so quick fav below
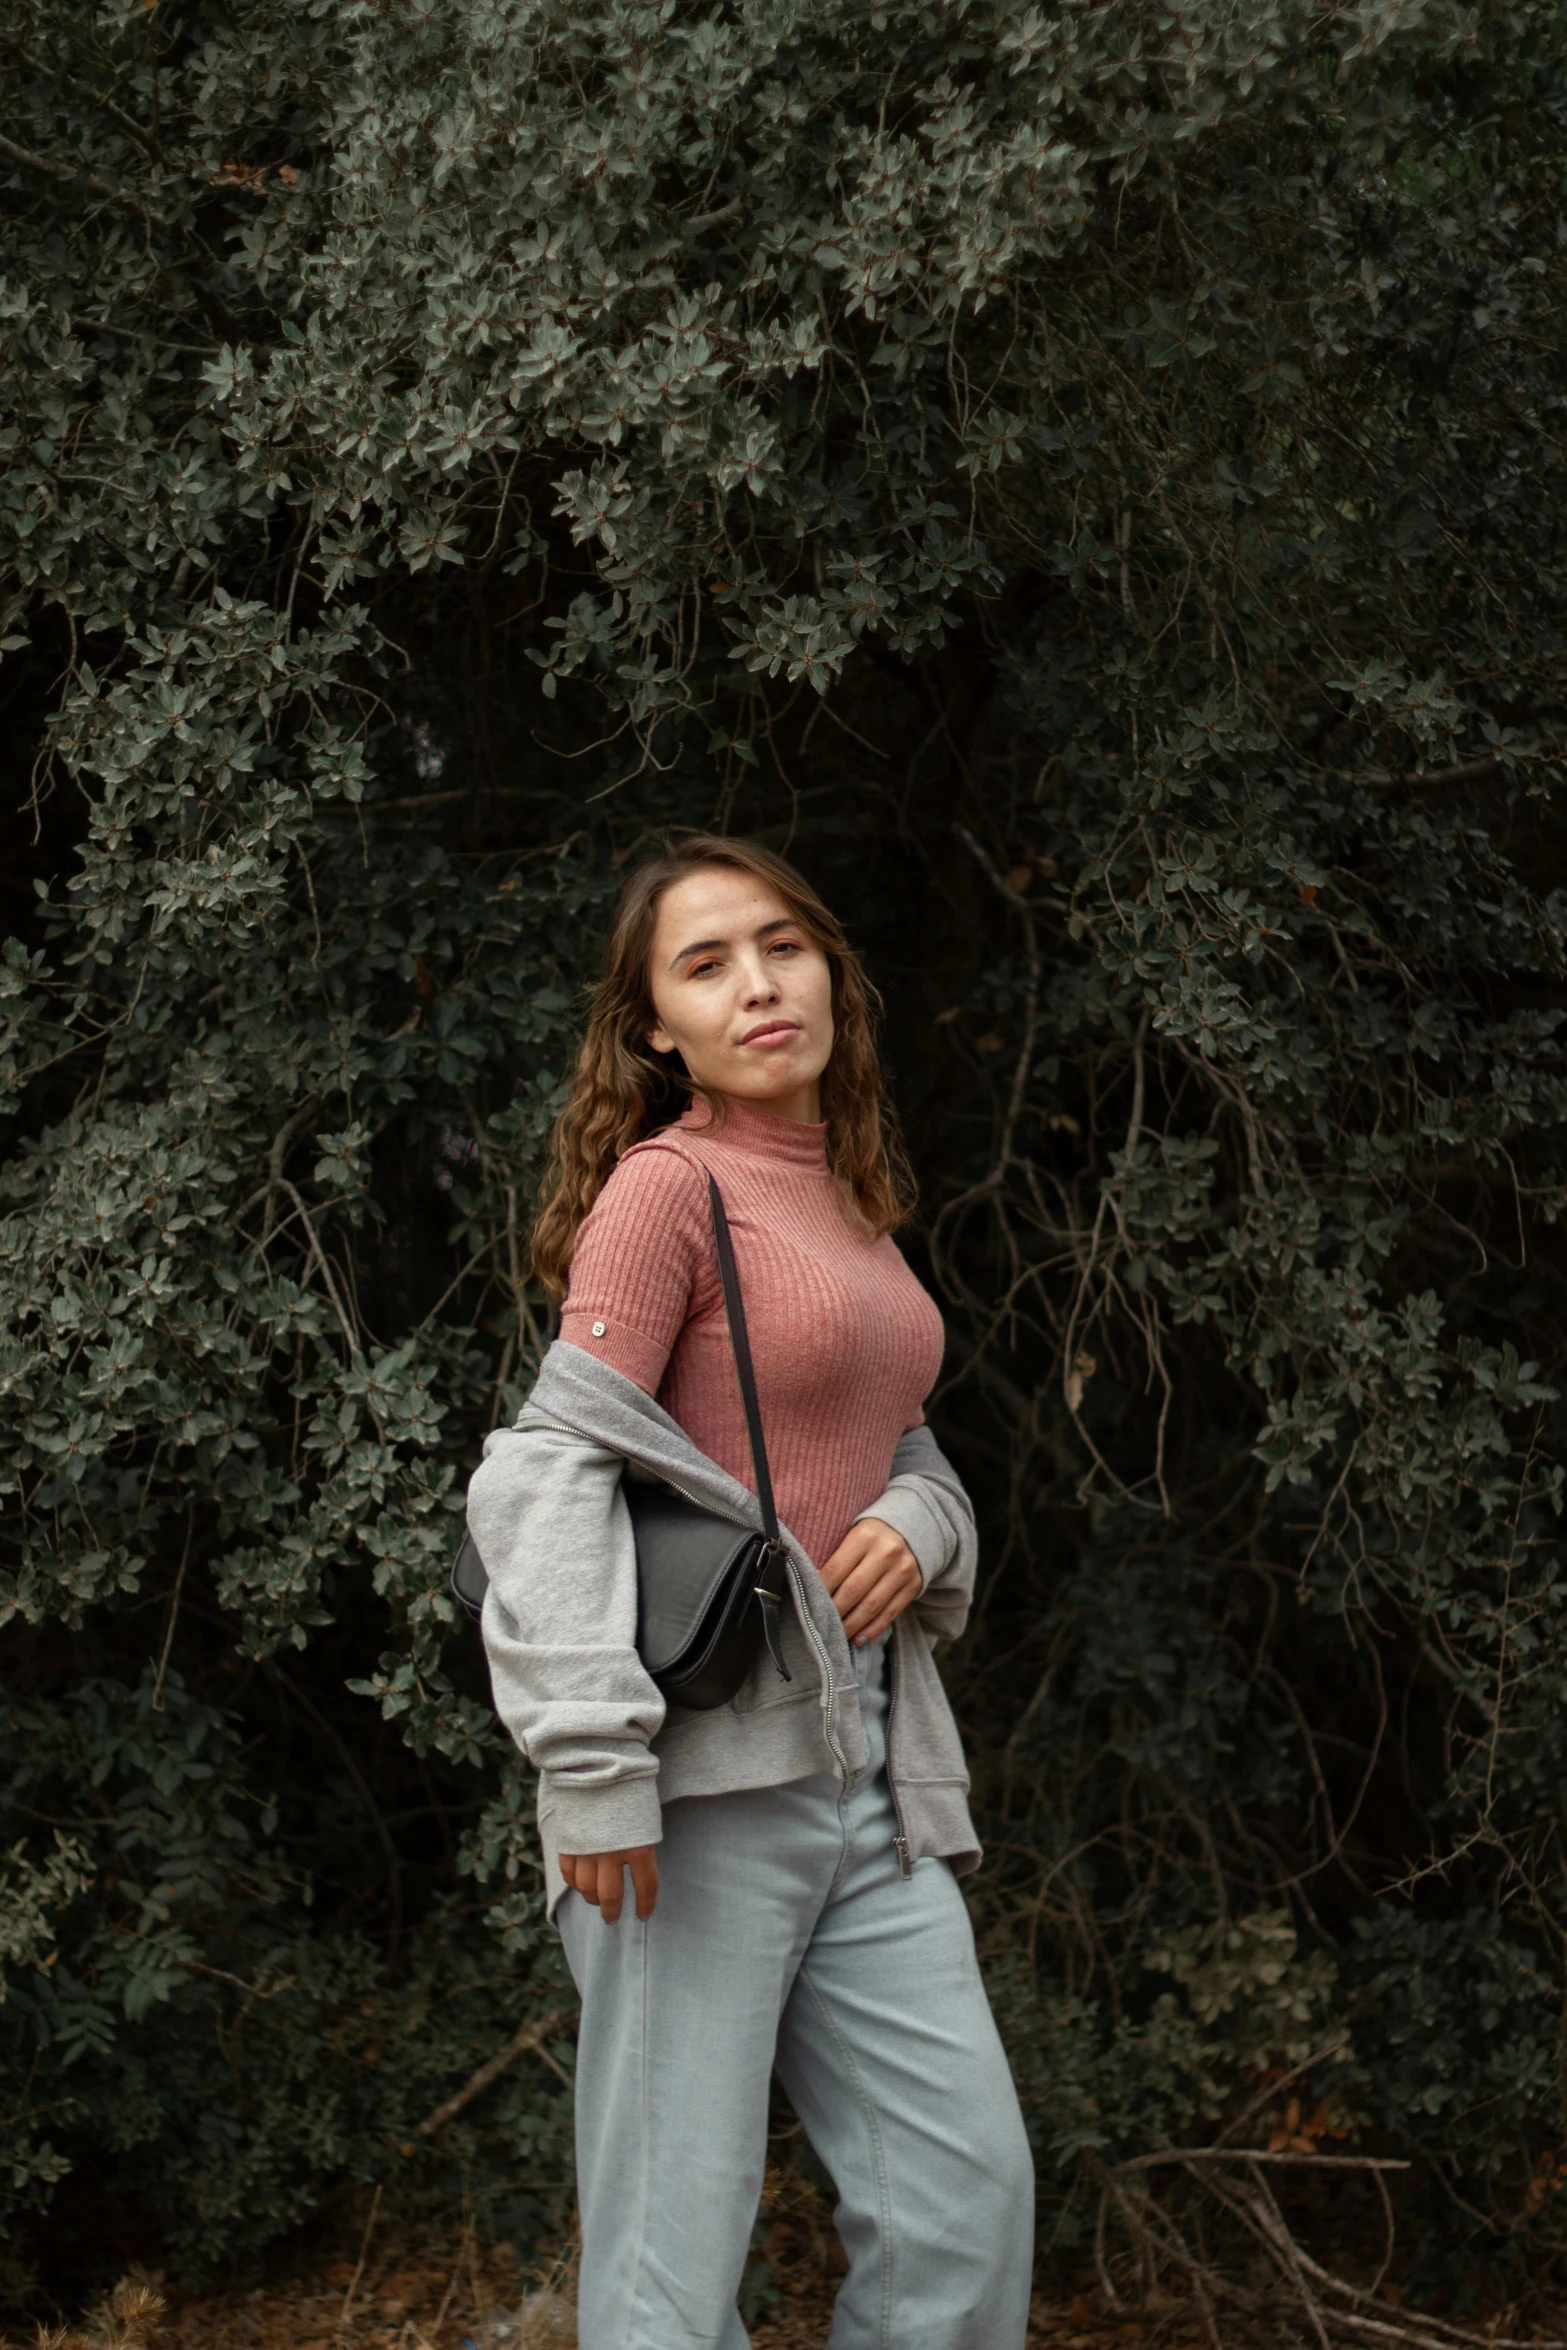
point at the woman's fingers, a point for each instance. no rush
(852, 1593)
(612, 1886)
(883, 1603)
(644, 1879)
(600, 1877)
(851, 1552)
(872, 1576)
(861, 1558)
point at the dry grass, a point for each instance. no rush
(390, 2289)
(433, 2294)
(445, 2292)
(445, 2296)
(427, 2293)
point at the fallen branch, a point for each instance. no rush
(1334, 2309)
(1426, 2329)
(527, 2040)
(1189, 2154)
(1416, 2335)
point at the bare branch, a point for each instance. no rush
(527, 2040)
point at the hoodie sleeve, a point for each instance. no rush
(546, 1510)
(926, 1503)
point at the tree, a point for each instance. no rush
(1086, 482)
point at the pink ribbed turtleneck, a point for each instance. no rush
(846, 1342)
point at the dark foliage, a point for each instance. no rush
(1089, 484)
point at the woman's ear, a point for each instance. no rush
(659, 1038)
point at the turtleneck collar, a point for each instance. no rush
(760, 1134)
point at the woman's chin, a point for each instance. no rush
(768, 1088)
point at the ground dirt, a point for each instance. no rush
(399, 2286)
(449, 2292)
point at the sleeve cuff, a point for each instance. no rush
(901, 1508)
(637, 1358)
(615, 1818)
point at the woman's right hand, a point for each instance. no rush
(600, 1878)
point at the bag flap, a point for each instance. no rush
(469, 1580)
(685, 1557)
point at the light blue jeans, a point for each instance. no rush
(785, 1934)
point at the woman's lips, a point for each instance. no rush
(772, 1032)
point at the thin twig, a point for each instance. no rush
(446, 2301)
(1020, 1076)
(527, 2040)
(174, 1608)
(353, 2282)
(319, 1253)
(292, 1125)
(1189, 2154)
(70, 171)
(1100, 2262)
(394, 1866)
(1270, 2091)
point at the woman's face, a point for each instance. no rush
(742, 992)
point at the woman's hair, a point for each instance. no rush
(624, 1090)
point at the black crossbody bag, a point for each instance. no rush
(709, 1591)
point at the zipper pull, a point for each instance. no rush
(900, 1845)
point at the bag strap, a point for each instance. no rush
(771, 1585)
(739, 1339)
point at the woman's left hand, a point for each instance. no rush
(872, 1576)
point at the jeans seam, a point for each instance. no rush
(846, 1839)
(634, 2296)
(868, 2107)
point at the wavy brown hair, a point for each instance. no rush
(624, 1090)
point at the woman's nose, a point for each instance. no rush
(761, 982)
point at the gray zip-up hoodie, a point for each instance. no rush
(546, 1510)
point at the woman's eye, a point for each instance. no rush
(786, 946)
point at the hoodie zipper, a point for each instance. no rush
(823, 1674)
(900, 1842)
(823, 1662)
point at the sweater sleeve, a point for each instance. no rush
(641, 1254)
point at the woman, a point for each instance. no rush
(792, 1854)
